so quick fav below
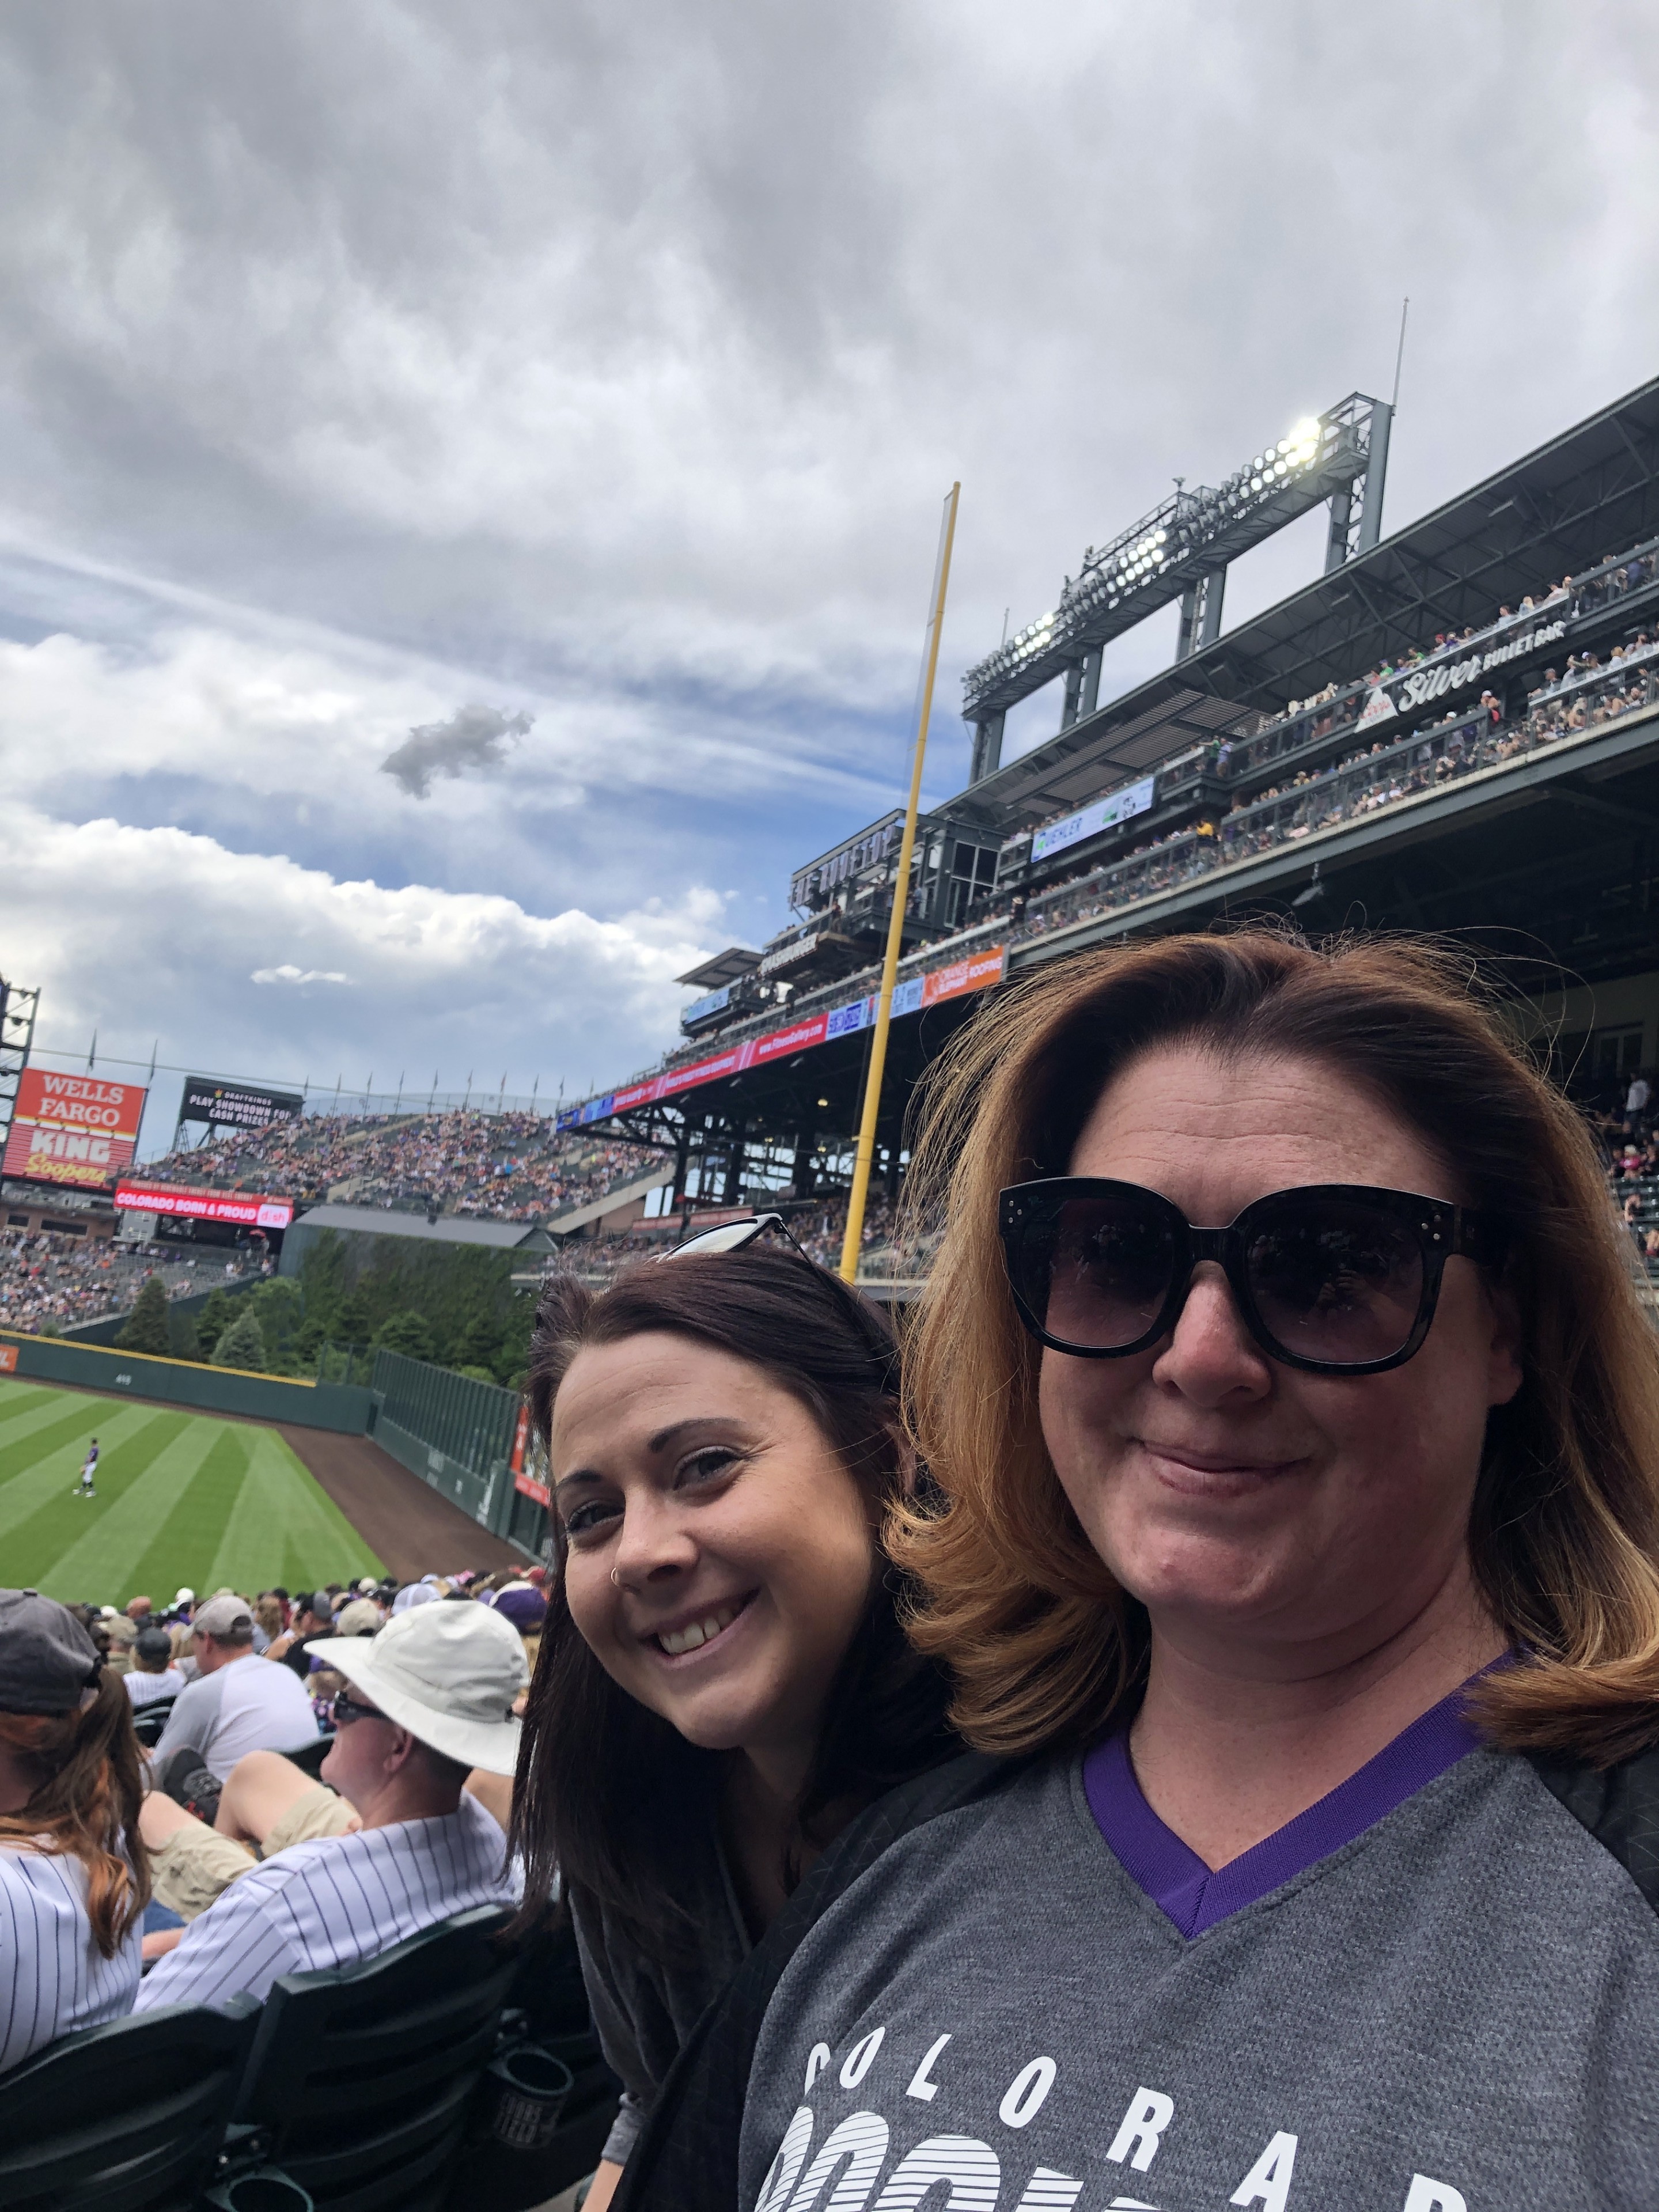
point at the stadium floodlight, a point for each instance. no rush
(1187, 540)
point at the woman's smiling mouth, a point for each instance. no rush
(701, 1630)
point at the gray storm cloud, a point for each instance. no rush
(474, 737)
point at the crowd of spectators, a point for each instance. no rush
(499, 1167)
(1586, 691)
(295, 1628)
(50, 1280)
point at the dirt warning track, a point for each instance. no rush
(408, 1525)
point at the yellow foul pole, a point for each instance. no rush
(849, 1250)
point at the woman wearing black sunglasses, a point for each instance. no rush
(1299, 1426)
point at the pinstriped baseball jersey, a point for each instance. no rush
(335, 1901)
(52, 1976)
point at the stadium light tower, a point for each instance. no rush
(1181, 551)
(18, 1008)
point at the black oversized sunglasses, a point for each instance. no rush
(1337, 1279)
(344, 1708)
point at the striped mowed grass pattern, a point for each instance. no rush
(182, 1498)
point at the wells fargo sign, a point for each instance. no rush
(74, 1129)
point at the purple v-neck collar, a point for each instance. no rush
(1194, 1897)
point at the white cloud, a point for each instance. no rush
(609, 366)
(128, 930)
(288, 973)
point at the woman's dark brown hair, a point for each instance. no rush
(607, 1791)
(85, 1801)
(1565, 1531)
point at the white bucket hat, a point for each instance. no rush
(447, 1673)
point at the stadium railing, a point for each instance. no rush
(1425, 760)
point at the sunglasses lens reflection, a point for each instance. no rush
(1108, 1271)
(1336, 1280)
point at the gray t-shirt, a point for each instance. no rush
(644, 2007)
(249, 1704)
(1456, 2010)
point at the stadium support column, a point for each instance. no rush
(801, 1178)
(1200, 612)
(1091, 698)
(732, 1194)
(1375, 476)
(1082, 687)
(1357, 509)
(987, 748)
(1069, 712)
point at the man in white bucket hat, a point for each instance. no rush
(426, 1699)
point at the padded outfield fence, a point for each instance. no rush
(347, 1409)
(456, 1433)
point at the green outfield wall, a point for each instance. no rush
(347, 1408)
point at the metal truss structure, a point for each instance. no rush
(1558, 512)
(19, 1006)
(1181, 551)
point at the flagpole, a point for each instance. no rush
(866, 1146)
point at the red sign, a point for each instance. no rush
(246, 1208)
(74, 1129)
(976, 974)
(523, 1446)
(8, 1360)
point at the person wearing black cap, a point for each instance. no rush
(74, 1878)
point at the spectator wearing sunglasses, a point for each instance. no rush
(723, 1680)
(1297, 1424)
(428, 1698)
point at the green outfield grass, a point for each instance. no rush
(182, 1498)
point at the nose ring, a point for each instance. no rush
(615, 1578)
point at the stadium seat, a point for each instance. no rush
(361, 2078)
(548, 2009)
(149, 1719)
(127, 2118)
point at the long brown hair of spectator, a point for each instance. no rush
(1565, 1531)
(607, 1793)
(85, 1804)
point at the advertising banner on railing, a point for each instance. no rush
(246, 1208)
(1438, 678)
(978, 972)
(73, 1129)
(1102, 814)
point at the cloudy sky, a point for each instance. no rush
(468, 477)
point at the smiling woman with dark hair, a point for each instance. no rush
(723, 1682)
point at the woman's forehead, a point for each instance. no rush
(1214, 1130)
(643, 1382)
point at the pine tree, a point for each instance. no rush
(242, 1344)
(407, 1332)
(216, 1314)
(146, 1329)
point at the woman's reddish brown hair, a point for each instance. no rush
(1045, 1647)
(85, 1803)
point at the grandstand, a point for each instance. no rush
(54, 1282)
(1455, 728)
(496, 1167)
